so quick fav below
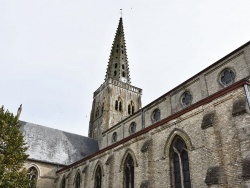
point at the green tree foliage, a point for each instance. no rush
(12, 153)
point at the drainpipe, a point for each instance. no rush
(142, 118)
(247, 94)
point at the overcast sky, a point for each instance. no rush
(54, 53)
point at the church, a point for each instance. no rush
(196, 135)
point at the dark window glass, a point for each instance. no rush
(186, 98)
(102, 108)
(63, 184)
(116, 105)
(98, 177)
(123, 74)
(180, 157)
(227, 77)
(114, 73)
(123, 67)
(132, 127)
(117, 50)
(156, 115)
(120, 106)
(129, 172)
(115, 65)
(133, 109)
(78, 181)
(114, 137)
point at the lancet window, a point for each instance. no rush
(102, 107)
(118, 105)
(63, 183)
(179, 164)
(33, 175)
(78, 180)
(98, 177)
(129, 172)
(131, 108)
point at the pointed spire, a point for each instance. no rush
(118, 62)
(19, 111)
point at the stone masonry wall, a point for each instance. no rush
(200, 86)
(218, 142)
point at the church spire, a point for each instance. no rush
(118, 63)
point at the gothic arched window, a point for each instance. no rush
(98, 177)
(129, 172)
(102, 107)
(78, 180)
(120, 106)
(116, 105)
(63, 184)
(179, 164)
(131, 108)
(33, 175)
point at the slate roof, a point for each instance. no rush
(56, 146)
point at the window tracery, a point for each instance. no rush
(118, 105)
(132, 128)
(179, 164)
(131, 108)
(186, 98)
(33, 175)
(98, 177)
(227, 77)
(129, 172)
(78, 181)
(156, 115)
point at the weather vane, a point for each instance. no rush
(121, 12)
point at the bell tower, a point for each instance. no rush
(116, 98)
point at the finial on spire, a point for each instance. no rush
(121, 12)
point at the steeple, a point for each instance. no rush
(116, 98)
(118, 62)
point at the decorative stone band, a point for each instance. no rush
(119, 84)
(164, 121)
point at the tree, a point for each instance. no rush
(12, 153)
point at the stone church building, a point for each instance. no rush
(196, 135)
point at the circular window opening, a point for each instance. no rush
(156, 115)
(227, 77)
(132, 128)
(186, 98)
(114, 137)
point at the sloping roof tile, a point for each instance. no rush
(56, 146)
